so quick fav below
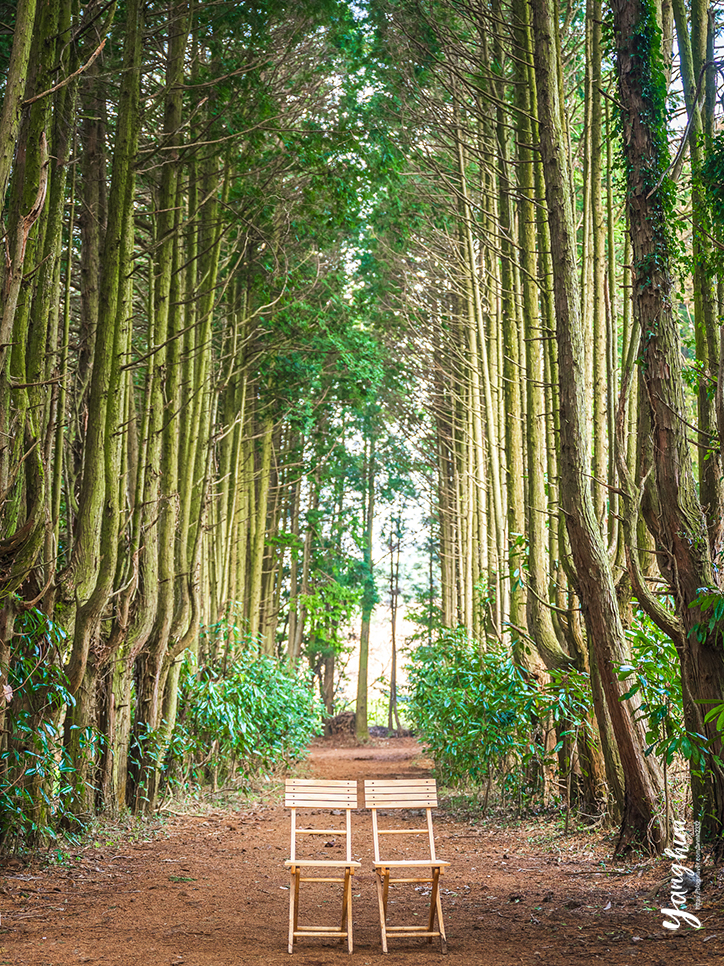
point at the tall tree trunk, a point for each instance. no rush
(640, 821)
(15, 91)
(538, 614)
(162, 454)
(369, 595)
(260, 527)
(679, 523)
(514, 462)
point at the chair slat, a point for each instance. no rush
(294, 801)
(400, 782)
(313, 793)
(320, 783)
(396, 801)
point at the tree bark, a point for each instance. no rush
(640, 822)
(679, 524)
(369, 596)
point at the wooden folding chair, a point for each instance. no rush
(417, 794)
(310, 793)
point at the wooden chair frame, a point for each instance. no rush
(398, 794)
(311, 793)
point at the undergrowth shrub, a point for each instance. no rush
(36, 790)
(470, 706)
(653, 678)
(256, 715)
(486, 721)
(653, 675)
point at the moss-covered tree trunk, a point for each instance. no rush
(162, 497)
(93, 566)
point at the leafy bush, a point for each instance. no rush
(654, 676)
(471, 706)
(483, 718)
(35, 790)
(256, 715)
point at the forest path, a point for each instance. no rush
(210, 890)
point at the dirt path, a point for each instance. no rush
(210, 890)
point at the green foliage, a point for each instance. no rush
(712, 176)
(329, 608)
(36, 786)
(227, 635)
(480, 714)
(710, 602)
(257, 715)
(716, 714)
(568, 703)
(468, 706)
(654, 676)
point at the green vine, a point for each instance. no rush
(712, 177)
(647, 44)
(652, 176)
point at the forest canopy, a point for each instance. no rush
(290, 290)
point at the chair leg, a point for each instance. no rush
(433, 902)
(348, 893)
(382, 903)
(440, 921)
(293, 906)
(344, 904)
(297, 880)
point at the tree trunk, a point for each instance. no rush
(640, 822)
(679, 524)
(369, 596)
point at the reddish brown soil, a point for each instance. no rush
(211, 889)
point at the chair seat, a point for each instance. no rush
(397, 863)
(325, 863)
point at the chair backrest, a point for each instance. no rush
(414, 793)
(318, 793)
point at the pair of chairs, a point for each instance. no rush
(341, 796)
